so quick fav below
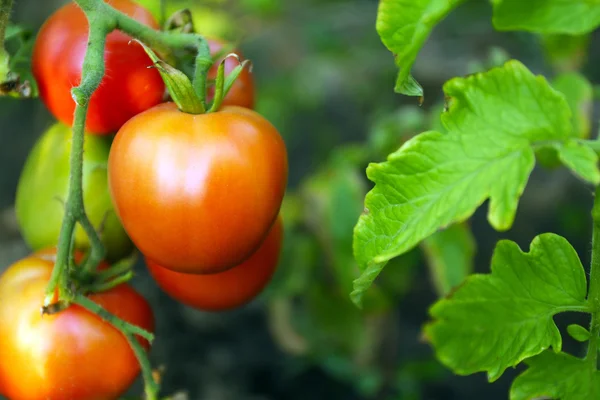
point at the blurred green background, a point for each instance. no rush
(326, 82)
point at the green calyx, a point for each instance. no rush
(189, 96)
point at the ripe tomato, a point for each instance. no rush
(70, 355)
(128, 87)
(44, 185)
(242, 91)
(197, 193)
(228, 289)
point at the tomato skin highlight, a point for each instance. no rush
(197, 193)
(44, 185)
(224, 290)
(128, 86)
(242, 93)
(70, 355)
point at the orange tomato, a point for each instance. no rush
(128, 86)
(73, 354)
(228, 289)
(197, 193)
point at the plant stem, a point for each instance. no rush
(98, 251)
(92, 73)
(594, 290)
(128, 330)
(151, 388)
(114, 282)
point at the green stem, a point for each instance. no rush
(128, 330)
(98, 251)
(123, 326)
(594, 290)
(103, 286)
(151, 388)
(163, 42)
(119, 268)
(92, 73)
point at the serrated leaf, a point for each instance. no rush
(581, 159)
(438, 179)
(449, 254)
(578, 333)
(574, 17)
(557, 376)
(579, 94)
(495, 321)
(404, 26)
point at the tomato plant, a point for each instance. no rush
(44, 185)
(228, 289)
(197, 193)
(128, 87)
(70, 355)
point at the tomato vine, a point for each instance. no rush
(60, 292)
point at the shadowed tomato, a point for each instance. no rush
(242, 91)
(44, 186)
(70, 355)
(128, 87)
(197, 193)
(228, 289)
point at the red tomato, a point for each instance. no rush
(70, 355)
(228, 289)
(197, 193)
(128, 87)
(242, 91)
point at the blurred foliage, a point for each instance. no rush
(326, 81)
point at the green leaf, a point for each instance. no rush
(581, 159)
(438, 179)
(449, 254)
(495, 321)
(579, 94)
(557, 376)
(404, 26)
(574, 17)
(578, 333)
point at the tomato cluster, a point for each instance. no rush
(197, 194)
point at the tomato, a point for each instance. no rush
(70, 355)
(197, 193)
(242, 91)
(228, 289)
(44, 185)
(128, 87)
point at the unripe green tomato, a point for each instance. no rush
(43, 189)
